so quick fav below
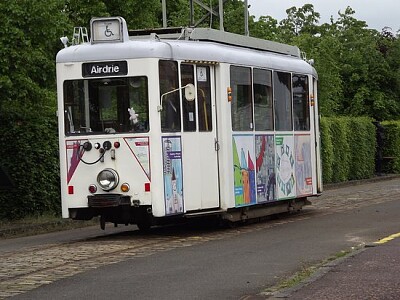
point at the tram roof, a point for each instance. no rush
(200, 44)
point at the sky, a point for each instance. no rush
(376, 13)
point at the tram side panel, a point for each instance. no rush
(274, 166)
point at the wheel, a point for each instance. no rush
(144, 225)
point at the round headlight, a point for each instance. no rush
(108, 179)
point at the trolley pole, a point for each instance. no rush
(246, 18)
(191, 21)
(221, 15)
(164, 13)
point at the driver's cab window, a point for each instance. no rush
(109, 105)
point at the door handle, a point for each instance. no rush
(216, 144)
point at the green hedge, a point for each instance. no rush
(327, 156)
(348, 148)
(29, 154)
(362, 143)
(391, 147)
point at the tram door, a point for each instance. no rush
(199, 153)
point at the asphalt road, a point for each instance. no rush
(196, 263)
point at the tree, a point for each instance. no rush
(138, 14)
(363, 69)
(265, 28)
(303, 20)
(80, 12)
(29, 40)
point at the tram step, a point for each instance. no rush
(204, 213)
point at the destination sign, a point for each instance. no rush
(101, 69)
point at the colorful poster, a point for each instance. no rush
(303, 165)
(173, 179)
(141, 150)
(244, 170)
(265, 168)
(285, 166)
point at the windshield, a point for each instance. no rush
(107, 105)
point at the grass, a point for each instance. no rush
(39, 224)
(306, 272)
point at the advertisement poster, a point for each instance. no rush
(303, 165)
(285, 166)
(244, 170)
(265, 168)
(173, 179)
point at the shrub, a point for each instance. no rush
(326, 150)
(341, 150)
(362, 144)
(391, 147)
(348, 147)
(29, 153)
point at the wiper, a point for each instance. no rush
(70, 120)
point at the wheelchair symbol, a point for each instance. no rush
(108, 32)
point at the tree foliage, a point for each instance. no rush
(358, 67)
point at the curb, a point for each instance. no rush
(321, 270)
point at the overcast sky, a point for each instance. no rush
(377, 13)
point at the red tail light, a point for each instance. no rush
(70, 189)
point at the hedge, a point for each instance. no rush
(391, 147)
(348, 147)
(29, 154)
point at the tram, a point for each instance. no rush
(173, 123)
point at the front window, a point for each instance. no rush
(107, 105)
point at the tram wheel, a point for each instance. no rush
(144, 225)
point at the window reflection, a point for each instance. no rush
(171, 112)
(283, 101)
(241, 107)
(262, 86)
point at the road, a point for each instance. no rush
(193, 262)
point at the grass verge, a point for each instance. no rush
(38, 225)
(306, 272)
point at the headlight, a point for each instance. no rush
(108, 179)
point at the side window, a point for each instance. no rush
(74, 106)
(263, 109)
(204, 98)
(241, 106)
(301, 109)
(171, 110)
(283, 101)
(188, 107)
(139, 104)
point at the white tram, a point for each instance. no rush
(161, 124)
